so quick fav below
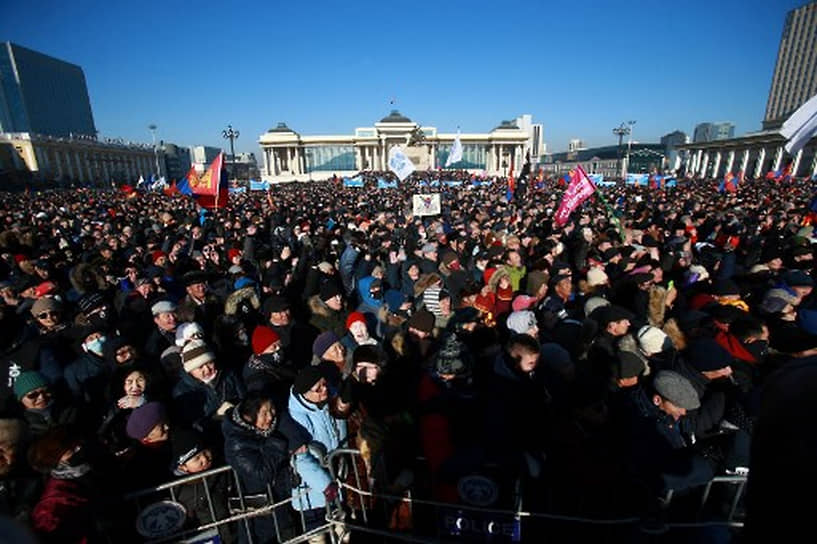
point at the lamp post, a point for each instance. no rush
(620, 131)
(152, 128)
(232, 135)
(629, 143)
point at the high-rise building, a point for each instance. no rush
(176, 160)
(42, 95)
(709, 132)
(795, 72)
(535, 145)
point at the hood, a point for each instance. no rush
(319, 307)
(365, 296)
(235, 299)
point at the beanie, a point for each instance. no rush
(143, 419)
(184, 445)
(306, 379)
(27, 382)
(233, 253)
(521, 322)
(156, 255)
(422, 320)
(329, 290)
(45, 304)
(354, 317)
(705, 355)
(187, 332)
(262, 338)
(195, 354)
(536, 279)
(367, 353)
(596, 276)
(651, 339)
(90, 302)
(323, 342)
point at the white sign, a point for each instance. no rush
(399, 163)
(426, 205)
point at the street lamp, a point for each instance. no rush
(232, 135)
(152, 128)
(629, 142)
(620, 131)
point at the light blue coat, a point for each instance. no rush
(323, 428)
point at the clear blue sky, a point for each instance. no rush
(580, 68)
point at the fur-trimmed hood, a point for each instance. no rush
(236, 298)
(319, 307)
(85, 278)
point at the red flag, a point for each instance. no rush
(579, 190)
(729, 183)
(210, 181)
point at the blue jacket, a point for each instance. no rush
(326, 430)
(368, 304)
(347, 267)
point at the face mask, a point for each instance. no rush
(271, 358)
(95, 346)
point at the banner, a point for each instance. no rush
(638, 179)
(455, 155)
(353, 182)
(579, 190)
(386, 184)
(597, 179)
(426, 205)
(259, 185)
(452, 183)
(399, 163)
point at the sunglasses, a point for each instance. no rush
(46, 315)
(34, 395)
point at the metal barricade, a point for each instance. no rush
(241, 509)
(342, 463)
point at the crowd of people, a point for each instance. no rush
(144, 339)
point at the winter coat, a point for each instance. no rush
(39, 422)
(64, 513)
(87, 378)
(262, 374)
(325, 318)
(19, 492)
(348, 260)
(368, 304)
(196, 401)
(324, 429)
(204, 314)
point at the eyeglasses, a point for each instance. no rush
(34, 395)
(46, 315)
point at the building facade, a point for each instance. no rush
(42, 95)
(671, 142)
(610, 160)
(202, 155)
(289, 156)
(176, 161)
(82, 160)
(535, 146)
(243, 166)
(709, 132)
(795, 71)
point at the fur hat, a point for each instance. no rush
(46, 304)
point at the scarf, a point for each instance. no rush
(238, 420)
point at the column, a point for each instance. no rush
(814, 164)
(730, 161)
(358, 158)
(432, 159)
(796, 164)
(744, 162)
(384, 153)
(688, 163)
(761, 157)
(716, 164)
(778, 158)
(704, 164)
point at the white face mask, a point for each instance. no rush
(95, 346)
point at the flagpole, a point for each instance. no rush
(607, 206)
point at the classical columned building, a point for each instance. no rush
(754, 154)
(289, 156)
(80, 159)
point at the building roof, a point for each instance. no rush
(507, 125)
(604, 153)
(395, 117)
(282, 127)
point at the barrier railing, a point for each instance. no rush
(345, 460)
(240, 508)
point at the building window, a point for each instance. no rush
(330, 158)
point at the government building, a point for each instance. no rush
(290, 156)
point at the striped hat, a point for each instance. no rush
(195, 354)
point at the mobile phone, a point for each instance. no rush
(671, 285)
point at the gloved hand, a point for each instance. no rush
(331, 492)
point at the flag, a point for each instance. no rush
(771, 174)
(511, 184)
(579, 190)
(785, 175)
(455, 155)
(399, 163)
(141, 181)
(729, 183)
(210, 181)
(801, 126)
(183, 185)
(386, 184)
(428, 204)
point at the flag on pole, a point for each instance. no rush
(209, 182)
(455, 155)
(399, 163)
(579, 190)
(511, 184)
(801, 126)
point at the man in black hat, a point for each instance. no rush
(327, 310)
(199, 305)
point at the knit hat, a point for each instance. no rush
(187, 332)
(162, 307)
(275, 303)
(706, 354)
(142, 420)
(184, 445)
(323, 342)
(593, 304)
(596, 276)
(676, 389)
(651, 339)
(306, 379)
(156, 255)
(354, 317)
(422, 320)
(328, 290)
(27, 382)
(90, 302)
(233, 253)
(195, 354)
(262, 338)
(448, 257)
(521, 322)
(522, 302)
(628, 365)
(45, 304)
(452, 358)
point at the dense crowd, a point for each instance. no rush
(144, 339)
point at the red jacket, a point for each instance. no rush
(63, 513)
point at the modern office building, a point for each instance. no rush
(176, 161)
(42, 95)
(289, 156)
(535, 144)
(671, 141)
(709, 132)
(643, 158)
(795, 72)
